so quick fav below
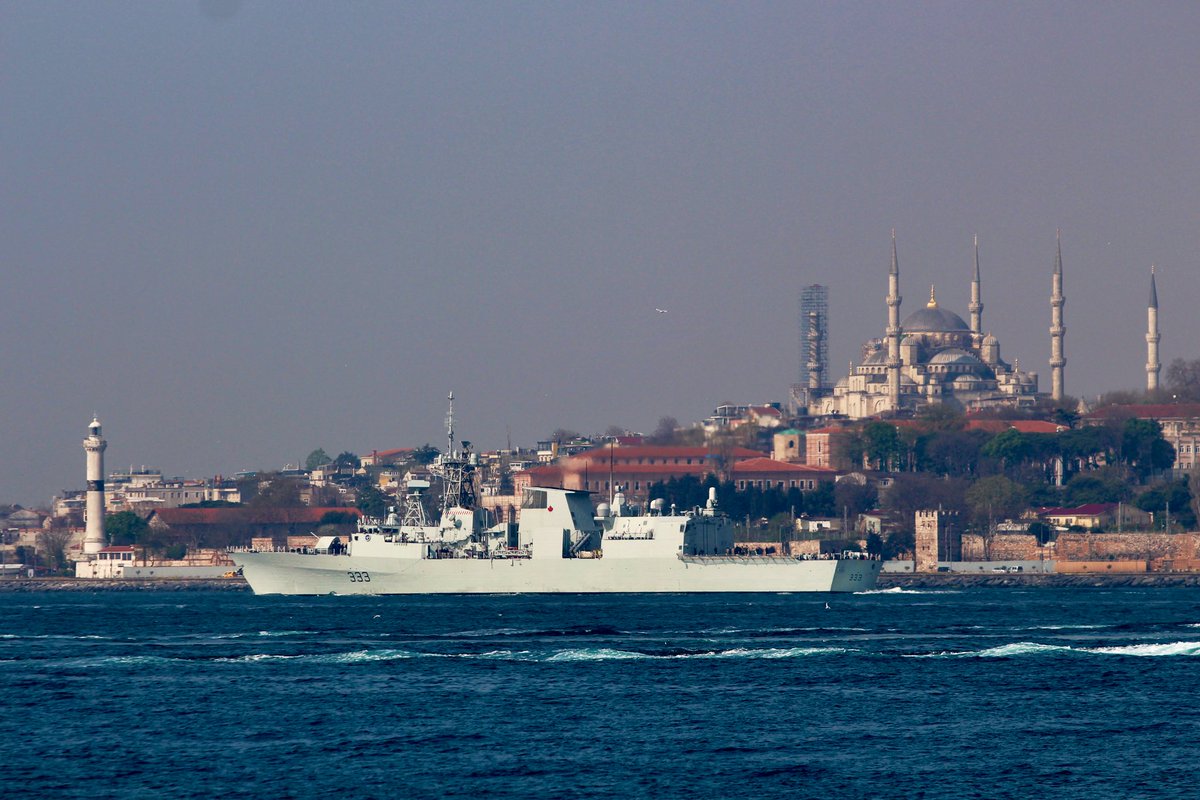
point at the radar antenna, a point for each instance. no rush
(456, 470)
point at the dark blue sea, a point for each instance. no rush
(1084, 693)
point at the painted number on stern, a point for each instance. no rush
(359, 577)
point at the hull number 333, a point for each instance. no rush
(359, 577)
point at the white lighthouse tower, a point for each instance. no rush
(94, 539)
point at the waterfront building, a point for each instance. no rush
(1180, 426)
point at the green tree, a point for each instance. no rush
(346, 459)
(664, 433)
(425, 454)
(561, 435)
(913, 491)
(1009, 447)
(995, 498)
(853, 498)
(317, 458)
(275, 491)
(1144, 448)
(1100, 486)
(992, 499)
(940, 417)
(1169, 496)
(1043, 532)
(125, 527)
(1083, 448)
(175, 551)
(373, 502)
(951, 452)
(53, 545)
(881, 445)
(1183, 379)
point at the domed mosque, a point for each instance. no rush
(933, 356)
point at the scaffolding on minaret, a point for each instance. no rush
(814, 338)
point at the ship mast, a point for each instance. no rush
(456, 469)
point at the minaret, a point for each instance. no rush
(893, 329)
(1057, 360)
(94, 444)
(1153, 366)
(976, 306)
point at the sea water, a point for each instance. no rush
(1085, 693)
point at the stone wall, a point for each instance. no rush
(1005, 547)
(1129, 546)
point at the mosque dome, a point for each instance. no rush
(878, 358)
(933, 319)
(952, 356)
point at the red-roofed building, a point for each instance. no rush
(633, 468)
(1022, 425)
(767, 473)
(1092, 516)
(1180, 425)
(392, 457)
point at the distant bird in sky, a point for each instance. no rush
(661, 310)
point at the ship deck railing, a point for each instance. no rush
(304, 551)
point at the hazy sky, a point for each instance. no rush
(241, 231)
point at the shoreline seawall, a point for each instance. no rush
(123, 585)
(1036, 580)
(886, 581)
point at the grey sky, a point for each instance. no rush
(238, 237)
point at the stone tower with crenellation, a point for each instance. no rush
(938, 538)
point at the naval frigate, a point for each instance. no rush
(559, 545)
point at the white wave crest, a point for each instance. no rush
(366, 656)
(1022, 649)
(902, 590)
(255, 657)
(1163, 649)
(108, 661)
(1036, 648)
(596, 654)
(776, 652)
(1065, 627)
(351, 657)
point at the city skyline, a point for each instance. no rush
(239, 232)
